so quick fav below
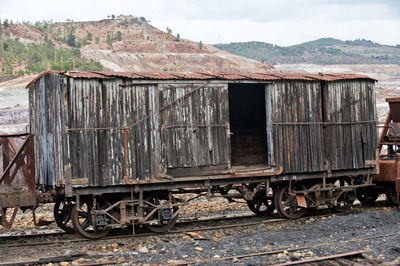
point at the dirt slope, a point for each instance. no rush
(131, 44)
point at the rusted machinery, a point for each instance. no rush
(17, 176)
(389, 153)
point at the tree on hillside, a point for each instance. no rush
(89, 36)
(37, 58)
(169, 31)
(6, 24)
(178, 38)
(8, 69)
(109, 39)
(119, 36)
(71, 39)
(200, 45)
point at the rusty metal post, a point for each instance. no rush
(30, 168)
(34, 216)
(141, 206)
(384, 131)
(8, 224)
(133, 213)
(30, 163)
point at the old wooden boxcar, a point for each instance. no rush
(115, 138)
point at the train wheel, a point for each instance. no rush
(344, 203)
(390, 192)
(286, 204)
(83, 222)
(164, 218)
(261, 205)
(62, 214)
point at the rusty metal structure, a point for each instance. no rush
(115, 149)
(17, 176)
(388, 179)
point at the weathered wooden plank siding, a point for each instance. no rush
(190, 135)
(46, 116)
(297, 147)
(57, 129)
(193, 132)
(350, 145)
(99, 154)
(35, 128)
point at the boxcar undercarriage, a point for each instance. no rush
(95, 211)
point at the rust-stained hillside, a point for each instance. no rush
(131, 44)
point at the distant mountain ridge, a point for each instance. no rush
(320, 51)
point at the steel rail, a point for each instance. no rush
(57, 259)
(273, 252)
(324, 258)
(181, 222)
(288, 250)
(210, 228)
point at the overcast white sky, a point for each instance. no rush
(282, 22)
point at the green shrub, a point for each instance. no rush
(40, 58)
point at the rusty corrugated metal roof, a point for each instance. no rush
(293, 76)
(338, 76)
(87, 75)
(41, 75)
(204, 76)
(190, 75)
(260, 76)
(120, 74)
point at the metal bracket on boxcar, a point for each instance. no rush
(164, 176)
(68, 182)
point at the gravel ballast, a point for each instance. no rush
(334, 234)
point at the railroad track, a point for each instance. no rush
(179, 223)
(70, 238)
(335, 259)
(347, 258)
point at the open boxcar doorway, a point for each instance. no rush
(247, 114)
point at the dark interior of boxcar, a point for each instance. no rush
(248, 124)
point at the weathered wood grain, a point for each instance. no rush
(191, 134)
